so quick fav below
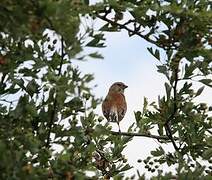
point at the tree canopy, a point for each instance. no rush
(47, 103)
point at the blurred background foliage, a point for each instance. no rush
(46, 103)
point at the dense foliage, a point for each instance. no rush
(48, 126)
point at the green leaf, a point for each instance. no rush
(207, 154)
(108, 28)
(168, 90)
(199, 91)
(28, 72)
(145, 104)
(160, 129)
(137, 116)
(96, 55)
(99, 129)
(118, 150)
(13, 90)
(207, 82)
(32, 88)
(130, 128)
(20, 83)
(75, 104)
(156, 54)
(93, 43)
(86, 2)
(126, 167)
(189, 69)
(163, 69)
(158, 152)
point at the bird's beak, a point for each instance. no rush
(125, 86)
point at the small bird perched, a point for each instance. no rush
(114, 106)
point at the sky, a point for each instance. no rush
(127, 59)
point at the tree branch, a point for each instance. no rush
(143, 135)
(169, 135)
(130, 31)
(167, 124)
(209, 131)
(54, 110)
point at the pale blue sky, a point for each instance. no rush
(128, 60)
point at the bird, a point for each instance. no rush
(114, 106)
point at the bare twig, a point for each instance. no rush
(10, 102)
(175, 109)
(169, 135)
(144, 135)
(130, 31)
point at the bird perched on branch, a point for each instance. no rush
(114, 106)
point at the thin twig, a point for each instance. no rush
(102, 154)
(167, 124)
(130, 31)
(10, 102)
(142, 134)
(169, 135)
(209, 131)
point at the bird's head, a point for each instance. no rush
(118, 87)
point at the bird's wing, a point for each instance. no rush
(109, 109)
(106, 108)
(121, 113)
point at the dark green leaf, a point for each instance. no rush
(158, 152)
(199, 91)
(32, 87)
(207, 82)
(156, 54)
(96, 55)
(126, 167)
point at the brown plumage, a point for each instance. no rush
(114, 106)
